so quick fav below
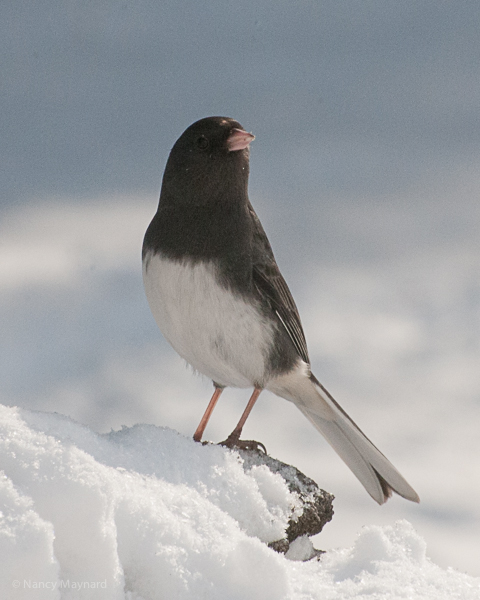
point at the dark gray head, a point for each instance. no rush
(209, 158)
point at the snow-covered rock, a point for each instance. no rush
(144, 513)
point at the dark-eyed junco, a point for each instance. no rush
(220, 300)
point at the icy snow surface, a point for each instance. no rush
(144, 513)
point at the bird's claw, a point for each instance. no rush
(231, 442)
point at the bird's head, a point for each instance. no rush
(210, 157)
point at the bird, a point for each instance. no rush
(217, 294)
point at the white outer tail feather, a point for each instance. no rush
(374, 471)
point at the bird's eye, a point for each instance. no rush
(202, 143)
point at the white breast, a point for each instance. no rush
(220, 335)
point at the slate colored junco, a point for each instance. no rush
(220, 300)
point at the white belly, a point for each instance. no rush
(222, 337)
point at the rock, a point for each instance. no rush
(317, 506)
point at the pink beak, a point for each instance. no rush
(239, 140)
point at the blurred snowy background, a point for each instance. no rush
(365, 173)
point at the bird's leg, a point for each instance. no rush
(197, 436)
(233, 439)
(237, 432)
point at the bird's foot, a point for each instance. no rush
(233, 441)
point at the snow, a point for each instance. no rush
(145, 513)
(301, 549)
(395, 337)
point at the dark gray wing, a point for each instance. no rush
(273, 288)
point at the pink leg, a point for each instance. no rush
(197, 436)
(233, 438)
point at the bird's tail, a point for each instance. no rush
(375, 472)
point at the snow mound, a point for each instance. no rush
(144, 513)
